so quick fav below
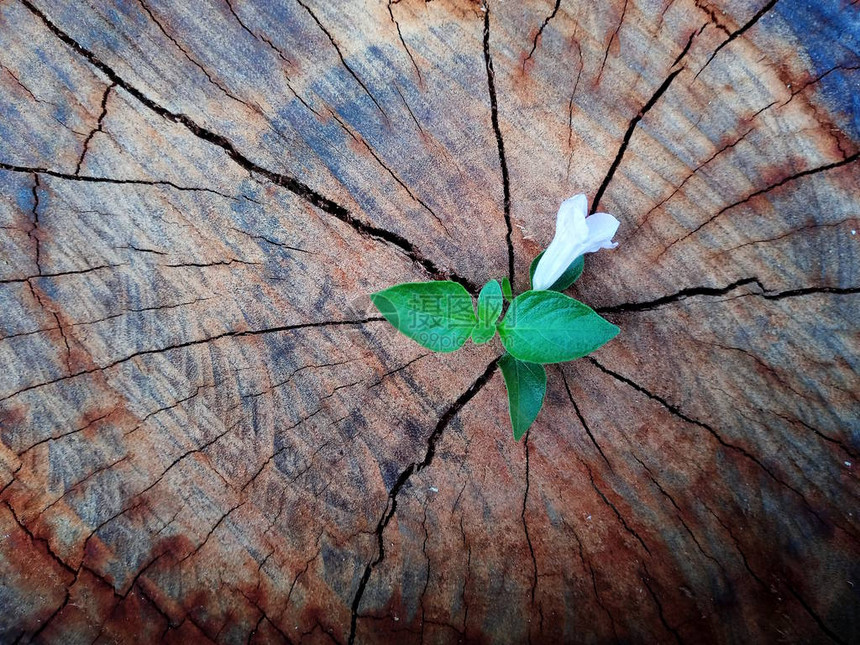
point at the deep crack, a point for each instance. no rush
(526, 524)
(500, 143)
(540, 31)
(291, 184)
(767, 7)
(403, 478)
(629, 133)
(762, 191)
(98, 128)
(763, 292)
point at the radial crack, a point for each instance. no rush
(403, 478)
(762, 191)
(360, 139)
(767, 7)
(107, 180)
(61, 273)
(400, 34)
(716, 435)
(582, 419)
(713, 16)
(188, 56)
(611, 40)
(731, 144)
(540, 31)
(342, 59)
(678, 513)
(33, 233)
(500, 143)
(289, 183)
(98, 128)
(199, 341)
(616, 511)
(526, 524)
(690, 292)
(657, 602)
(629, 133)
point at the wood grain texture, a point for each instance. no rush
(206, 432)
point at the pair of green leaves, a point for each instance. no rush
(539, 327)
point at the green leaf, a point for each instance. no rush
(526, 384)
(506, 289)
(490, 304)
(550, 327)
(570, 275)
(483, 333)
(438, 315)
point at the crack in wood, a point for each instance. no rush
(426, 570)
(400, 35)
(818, 620)
(342, 59)
(739, 32)
(190, 58)
(719, 438)
(409, 109)
(50, 551)
(403, 479)
(570, 103)
(687, 46)
(33, 233)
(817, 79)
(660, 612)
(64, 434)
(582, 419)
(713, 16)
(82, 481)
(110, 180)
(525, 522)
(361, 140)
(27, 279)
(500, 143)
(586, 564)
(540, 32)
(679, 514)
(692, 174)
(466, 578)
(97, 129)
(689, 292)
(611, 40)
(802, 229)
(199, 341)
(220, 520)
(291, 184)
(636, 119)
(835, 638)
(629, 134)
(615, 510)
(805, 173)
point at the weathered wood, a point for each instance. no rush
(206, 433)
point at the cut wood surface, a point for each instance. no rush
(208, 434)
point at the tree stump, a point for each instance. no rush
(209, 434)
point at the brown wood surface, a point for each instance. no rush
(206, 432)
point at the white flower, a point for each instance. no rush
(575, 234)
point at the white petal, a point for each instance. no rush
(601, 229)
(575, 234)
(571, 217)
(557, 257)
(571, 233)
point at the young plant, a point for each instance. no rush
(541, 326)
